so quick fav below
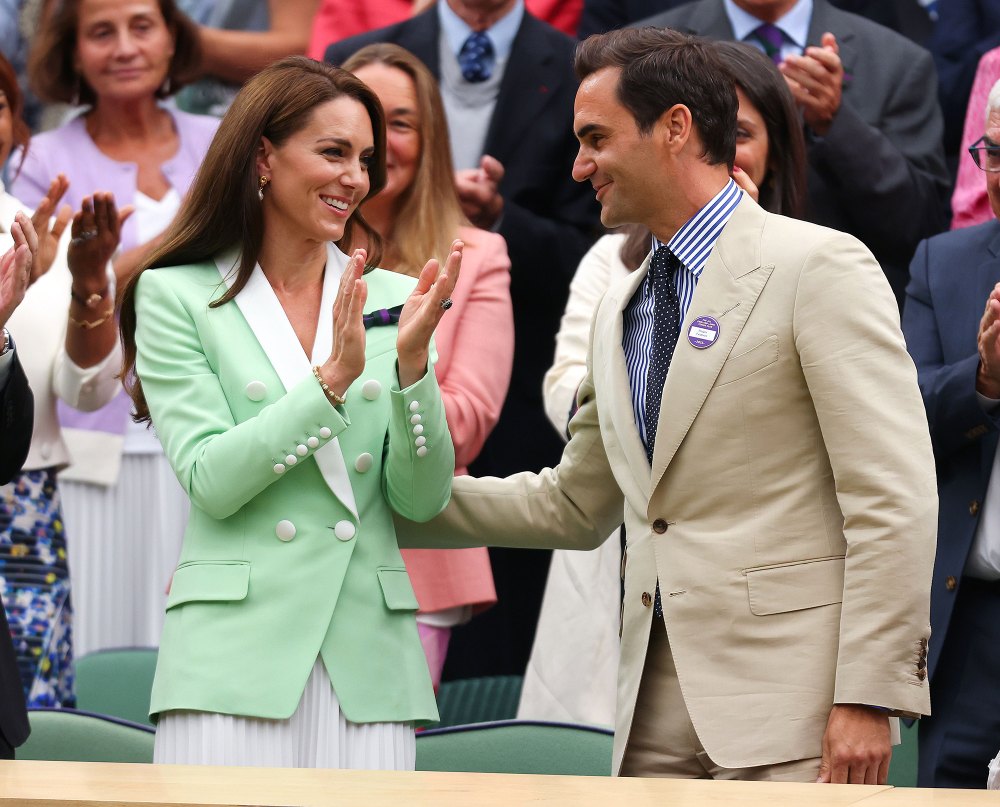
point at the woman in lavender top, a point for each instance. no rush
(119, 61)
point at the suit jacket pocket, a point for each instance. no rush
(209, 581)
(795, 586)
(756, 358)
(396, 589)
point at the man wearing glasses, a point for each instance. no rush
(951, 321)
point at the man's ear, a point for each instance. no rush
(674, 127)
(265, 154)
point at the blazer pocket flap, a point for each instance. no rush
(209, 581)
(796, 586)
(397, 590)
(756, 358)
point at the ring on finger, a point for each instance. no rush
(446, 303)
(88, 234)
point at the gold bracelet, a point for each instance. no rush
(89, 325)
(338, 400)
(92, 299)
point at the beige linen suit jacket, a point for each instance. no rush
(790, 511)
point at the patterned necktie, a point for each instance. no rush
(666, 328)
(476, 57)
(663, 268)
(771, 37)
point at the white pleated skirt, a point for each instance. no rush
(317, 735)
(123, 543)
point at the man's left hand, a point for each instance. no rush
(857, 746)
(479, 192)
(816, 80)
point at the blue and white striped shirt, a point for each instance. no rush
(692, 244)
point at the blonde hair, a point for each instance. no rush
(429, 213)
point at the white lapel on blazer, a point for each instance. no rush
(265, 316)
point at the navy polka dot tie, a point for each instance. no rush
(476, 57)
(666, 328)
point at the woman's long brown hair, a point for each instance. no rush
(222, 209)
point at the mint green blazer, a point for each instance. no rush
(290, 551)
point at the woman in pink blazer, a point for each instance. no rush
(418, 214)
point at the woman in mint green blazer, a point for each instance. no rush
(298, 415)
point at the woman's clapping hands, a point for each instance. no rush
(423, 311)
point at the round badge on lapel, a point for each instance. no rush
(704, 332)
(256, 390)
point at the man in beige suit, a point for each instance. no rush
(777, 489)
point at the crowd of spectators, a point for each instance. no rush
(878, 118)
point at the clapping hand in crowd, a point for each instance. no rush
(15, 266)
(49, 228)
(479, 192)
(988, 375)
(816, 80)
(96, 233)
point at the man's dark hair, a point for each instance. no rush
(661, 67)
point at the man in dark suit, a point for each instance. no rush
(873, 126)
(514, 154)
(952, 277)
(907, 17)
(16, 420)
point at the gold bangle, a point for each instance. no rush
(89, 325)
(338, 400)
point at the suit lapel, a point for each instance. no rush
(420, 36)
(621, 416)
(727, 291)
(709, 19)
(530, 79)
(265, 316)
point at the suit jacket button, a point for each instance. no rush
(285, 530)
(256, 390)
(325, 433)
(363, 463)
(344, 530)
(951, 583)
(974, 507)
(659, 526)
(646, 599)
(371, 389)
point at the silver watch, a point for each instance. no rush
(8, 343)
